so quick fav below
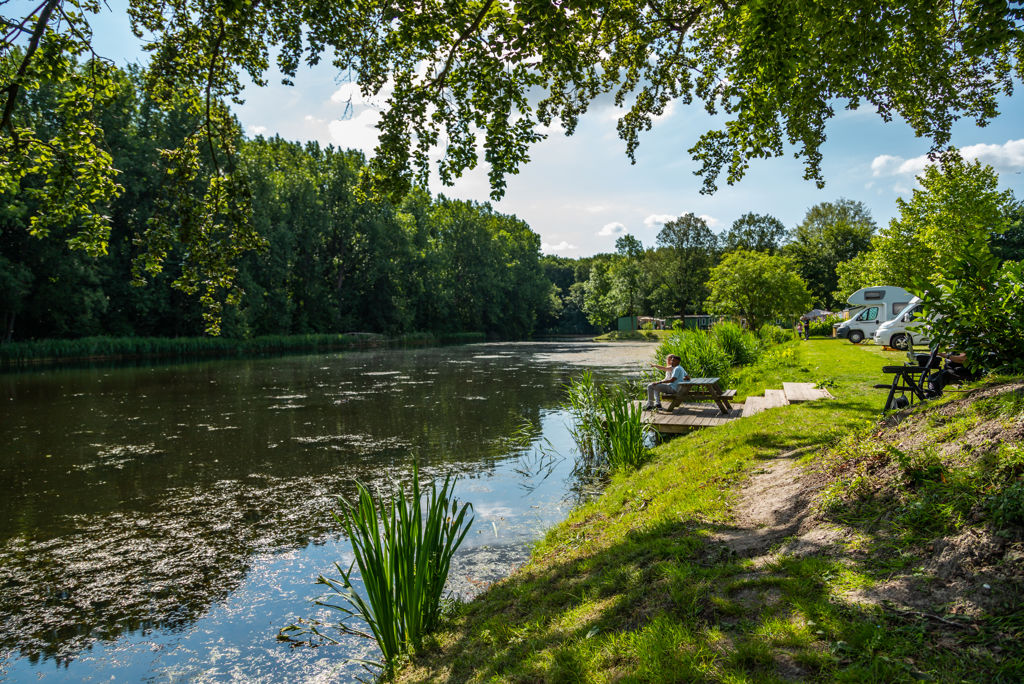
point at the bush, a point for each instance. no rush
(824, 328)
(701, 354)
(770, 334)
(740, 345)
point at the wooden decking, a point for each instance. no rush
(688, 417)
(691, 416)
(791, 393)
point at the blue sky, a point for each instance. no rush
(580, 193)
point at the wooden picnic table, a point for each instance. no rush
(702, 389)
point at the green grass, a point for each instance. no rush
(15, 354)
(631, 587)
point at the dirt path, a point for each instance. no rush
(775, 515)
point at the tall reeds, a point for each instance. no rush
(403, 549)
(624, 438)
(582, 400)
(114, 348)
(607, 425)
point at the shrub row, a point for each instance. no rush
(715, 352)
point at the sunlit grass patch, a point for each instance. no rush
(636, 586)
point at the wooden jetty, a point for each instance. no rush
(688, 417)
(691, 416)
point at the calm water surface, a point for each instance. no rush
(163, 523)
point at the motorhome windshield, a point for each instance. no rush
(868, 314)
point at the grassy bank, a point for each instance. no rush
(121, 348)
(634, 336)
(640, 586)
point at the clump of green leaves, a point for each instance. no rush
(607, 425)
(919, 467)
(770, 333)
(1006, 508)
(403, 548)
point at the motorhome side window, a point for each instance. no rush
(869, 314)
(899, 306)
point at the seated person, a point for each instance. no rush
(954, 372)
(674, 374)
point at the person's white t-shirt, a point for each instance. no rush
(678, 374)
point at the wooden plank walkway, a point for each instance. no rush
(803, 391)
(754, 405)
(688, 417)
(775, 398)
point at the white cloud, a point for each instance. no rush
(884, 165)
(710, 220)
(1006, 157)
(612, 229)
(258, 130)
(358, 133)
(562, 246)
(595, 209)
(655, 220)
(350, 93)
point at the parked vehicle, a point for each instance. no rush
(906, 330)
(872, 307)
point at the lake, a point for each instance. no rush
(163, 523)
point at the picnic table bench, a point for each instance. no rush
(905, 379)
(701, 389)
(909, 380)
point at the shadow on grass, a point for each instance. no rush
(673, 603)
(779, 432)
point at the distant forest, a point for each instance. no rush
(335, 260)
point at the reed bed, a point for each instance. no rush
(607, 426)
(114, 348)
(403, 548)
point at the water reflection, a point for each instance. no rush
(184, 510)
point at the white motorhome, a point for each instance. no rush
(872, 306)
(906, 330)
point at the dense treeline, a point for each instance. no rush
(322, 256)
(331, 259)
(675, 277)
(760, 270)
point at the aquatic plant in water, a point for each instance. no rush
(582, 401)
(607, 425)
(624, 438)
(403, 549)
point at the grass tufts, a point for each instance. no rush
(403, 549)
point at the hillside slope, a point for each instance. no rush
(810, 542)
